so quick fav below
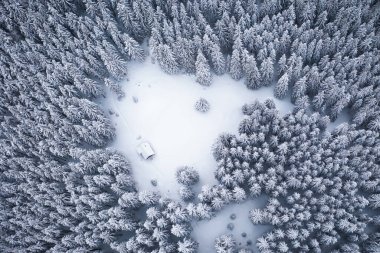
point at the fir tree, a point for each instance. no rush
(252, 74)
(281, 87)
(217, 60)
(166, 59)
(187, 176)
(203, 74)
(236, 70)
(267, 72)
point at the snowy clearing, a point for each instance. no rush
(159, 108)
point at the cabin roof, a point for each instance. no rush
(145, 150)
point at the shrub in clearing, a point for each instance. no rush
(202, 105)
(187, 176)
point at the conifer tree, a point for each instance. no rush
(166, 59)
(203, 73)
(236, 70)
(267, 71)
(217, 60)
(252, 74)
(282, 86)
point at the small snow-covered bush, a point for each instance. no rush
(202, 105)
(187, 176)
(153, 182)
(186, 193)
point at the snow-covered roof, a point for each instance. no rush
(145, 150)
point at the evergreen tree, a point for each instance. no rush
(236, 70)
(187, 176)
(225, 244)
(252, 74)
(187, 246)
(267, 72)
(166, 59)
(282, 86)
(217, 60)
(186, 193)
(203, 74)
(134, 51)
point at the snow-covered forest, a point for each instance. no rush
(69, 180)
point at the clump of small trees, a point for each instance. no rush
(187, 177)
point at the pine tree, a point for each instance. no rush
(239, 194)
(236, 70)
(282, 64)
(166, 59)
(188, 245)
(129, 200)
(235, 66)
(154, 43)
(180, 230)
(185, 53)
(187, 176)
(225, 244)
(203, 74)
(148, 198)
(115, 64)
(267, 71)
(252, 74)
(133, 49)
(186, 193)
(256, 216)
(217, 60)
(282, 86)
(299, 89)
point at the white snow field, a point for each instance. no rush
(164, 115)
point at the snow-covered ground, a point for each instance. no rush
(165, 116)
